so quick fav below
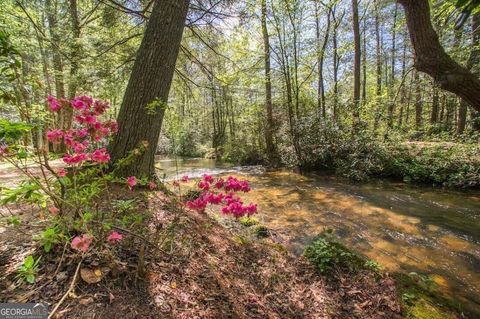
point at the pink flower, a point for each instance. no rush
(185, 179)
(75, 159)
(175, 183)
(53, 210)
(81, 133)
(219, 183)
(199, 204)
(55, 136)
(68, 138)
(78, 104)
(152, 185)
(251, 209)
(90, 119)
(62, 172)
(132, 181)
(79, 147)
(100, 107)
(245, 186)
(113, 126)
(82, 243)
(86, 99)
(204, 185)
(53, 104)
(213, 198)
(114, 237)
(100, 156)
(207, 178)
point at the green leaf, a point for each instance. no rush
(30, 278)
(47, 246)
(28, 262)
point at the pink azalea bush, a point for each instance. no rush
(222, 192)
(84, 144)
(89, 132)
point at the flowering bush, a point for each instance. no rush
(83, 142)
(69, 194)
(222, 192)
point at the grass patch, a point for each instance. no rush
(247, 221)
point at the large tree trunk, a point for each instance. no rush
(269, 127)
(141, 114)
(431, 58)
(357, 65)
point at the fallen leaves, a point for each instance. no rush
(93, 276)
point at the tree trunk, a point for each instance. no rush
(357, 65)
(402, 92)
(57, 58)
(391, 86)
(378, 55)
(336, 60)
(435, 105)
(418, 103)
(473, 64)
(141, 114)
(364, 63)
(269, 127)
(321, 58)
(431, 58)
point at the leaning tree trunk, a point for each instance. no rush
(431, 58)
(141, 113)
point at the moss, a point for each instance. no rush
(424, 310)
(421, 301)
(279, 247)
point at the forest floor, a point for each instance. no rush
(202, 269)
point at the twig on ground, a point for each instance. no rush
(72, 284)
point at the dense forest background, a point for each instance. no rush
(255, 81)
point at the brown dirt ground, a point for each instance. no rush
(200, 271)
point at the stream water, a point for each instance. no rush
(405, 228)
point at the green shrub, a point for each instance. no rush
(327, 254)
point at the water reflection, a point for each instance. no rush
(404, 228)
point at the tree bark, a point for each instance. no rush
(431, 58)
(391, 86)
(378, 55)
(141, 113)
(321, 58)
(418, 103)
(357, 65)
(269, 127)
(473, 65)
(435, 105)
(336, 59)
